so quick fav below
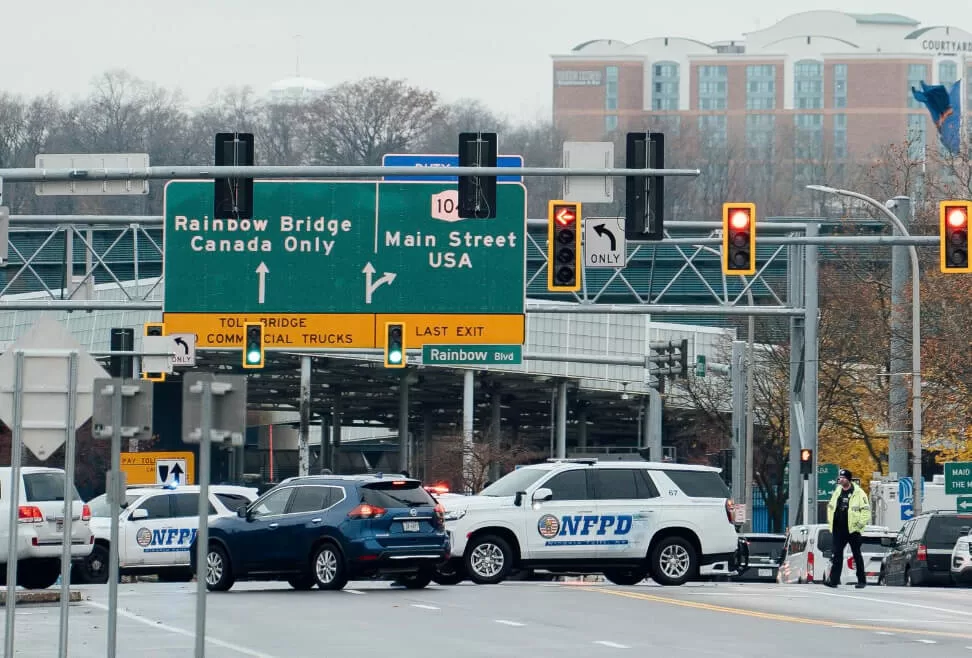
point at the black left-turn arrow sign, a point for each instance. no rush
(602, 231)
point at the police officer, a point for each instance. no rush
(848, 512)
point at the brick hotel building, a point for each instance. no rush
(839, 83)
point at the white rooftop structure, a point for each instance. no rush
(296, 89)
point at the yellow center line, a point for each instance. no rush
(774, 616)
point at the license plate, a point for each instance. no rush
(765, 572)
(410, 526)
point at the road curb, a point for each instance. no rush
(39, 596)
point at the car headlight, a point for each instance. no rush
(454, 514)
(962, 546)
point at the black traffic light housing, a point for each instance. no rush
(395, 345)
(154, 329)
(563, 246)
(233, 197)
(644, 196)
(954, 236)
(739, 238)
(253, 345)
(477, 194)
(806, 462)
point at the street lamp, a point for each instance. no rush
(915, 333)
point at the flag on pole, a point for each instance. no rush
(945, 107)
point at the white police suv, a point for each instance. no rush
(627, 520)
(155, 528)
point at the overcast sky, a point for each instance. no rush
(497, 51)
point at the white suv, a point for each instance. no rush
(627, 520)
(40, 528)
(155, 529)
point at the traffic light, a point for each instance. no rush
(954, 236)
(739, 238)
(233, 197)
(644, 196)
(806, 462)
(477, 194)
(563, 246)
(253, 345)
(154, 329)
(395, 345)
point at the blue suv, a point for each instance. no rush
(325, 530)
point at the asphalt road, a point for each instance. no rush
(522, 619)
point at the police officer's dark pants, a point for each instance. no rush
(837, 565)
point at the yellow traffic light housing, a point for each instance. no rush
(253, 345)
(954, 236)
(563, 246)
(154, 329)
(739, 238)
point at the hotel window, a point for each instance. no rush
(916, 136)
(809, 136)
(664, 88)
(916, 73)
(840, 85)
(840, 136)
(611, 89)
(808, 85)
(713, 87)
(947, 74)
(610, 123)
(761, 87)
(760, 130)
(712, 130)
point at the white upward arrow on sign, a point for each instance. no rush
(262, 270)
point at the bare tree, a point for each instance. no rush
(444, 461)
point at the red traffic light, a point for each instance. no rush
(806, 455)
(739, 219)
(957, 217)
(565, 215)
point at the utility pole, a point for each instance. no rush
(897, 386)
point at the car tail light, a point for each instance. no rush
(730, 511)
(439, 515)
(85, 513)
(850, 562)
(365, 511)
(810, 567)
(922, 553)
(29, 514)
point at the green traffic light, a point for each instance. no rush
(395, 356)
(253, 356)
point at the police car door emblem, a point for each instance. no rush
(413, 512)
(548, 526)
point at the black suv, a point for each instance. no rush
(921, 552)
(327, 529)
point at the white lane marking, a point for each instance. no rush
(508, 622)
(425, 607)
(840, 626)
(179, 631)
(928, 641)
(613, 645)
(886, 620)
(950, 611)
(884, 633)
(352, 591)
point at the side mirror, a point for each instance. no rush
(139, 514)
(241, 511)
(542, 494)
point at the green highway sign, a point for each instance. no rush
(826, 480)
(963, 504)
(958, 478)
(472, 354)
(325, 264)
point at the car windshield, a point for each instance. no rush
(766, 546)
(45, 487)
(946, 529)
(100, 508)
(407, 493)
(514, 481)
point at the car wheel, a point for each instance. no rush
(219, 573)
(419, 580)
(451, 573)
(488, 560)
(94, 568)
(301, 583)
(328, 567)
(625, 577)
(38, 574)
(673, 562)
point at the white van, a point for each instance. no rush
(40, 529)
(808, 549)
